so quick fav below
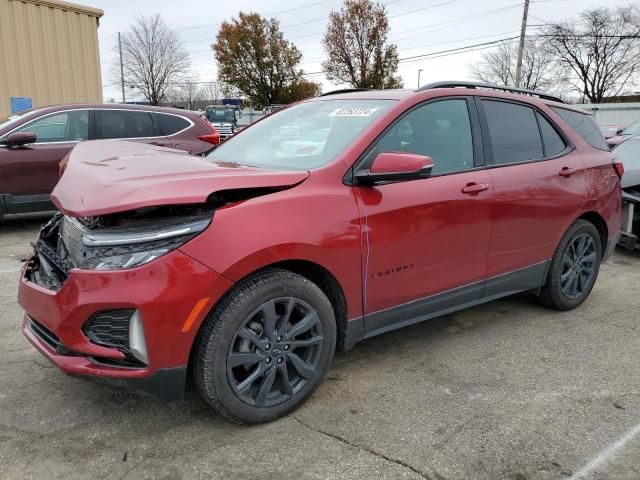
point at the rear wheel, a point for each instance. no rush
(266, 347)
(574, 267)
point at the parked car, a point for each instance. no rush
(624, 133)
(629, 153)
(609, 131)
(33, 143)
(249, 268)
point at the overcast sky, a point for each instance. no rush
(418, 27)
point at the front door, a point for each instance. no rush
(29, 173)
(425, 242)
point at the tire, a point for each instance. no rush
(251, 376)
(572, 273)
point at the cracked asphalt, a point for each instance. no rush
(508, 390)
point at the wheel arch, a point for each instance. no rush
(599, 222)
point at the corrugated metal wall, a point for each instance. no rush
(614, 113)
(49, 52)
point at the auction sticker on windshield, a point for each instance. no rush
(352, 112)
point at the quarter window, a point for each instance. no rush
(513, 131)
(170, 124)
(440, 130)
(553, 142)
(585, 125)
(71, 126)
(125, 124)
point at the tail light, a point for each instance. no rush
(618, 166)
(213, 137)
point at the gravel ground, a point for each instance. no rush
(508, 390)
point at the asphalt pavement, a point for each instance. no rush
(509, 390)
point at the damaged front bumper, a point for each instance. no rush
(80, 319)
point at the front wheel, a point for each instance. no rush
(574, 267)
(266, 347)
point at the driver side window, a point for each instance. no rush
(440, 130)
(71, 126)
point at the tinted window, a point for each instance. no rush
(170, 124)
(60, 127)
(126, 124)
(553, 142)
(440, 130)
(585, 125)
(513, 131)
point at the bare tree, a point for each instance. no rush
(212, 92)
(188, 94)
(499, 66)
(154, 58)
(601, 53)
(357, 49)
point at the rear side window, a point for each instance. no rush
(585, 125)
(170, 124)
(513, 131)
(553, 142)
(125, 124)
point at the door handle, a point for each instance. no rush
(567, 172)
(475, 188)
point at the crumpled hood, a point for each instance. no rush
(108, 176)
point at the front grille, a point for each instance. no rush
(110, 329)
(71, 240)
(48, 337)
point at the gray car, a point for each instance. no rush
(629, 153)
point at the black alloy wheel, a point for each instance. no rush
(578, 266)
(275, 351)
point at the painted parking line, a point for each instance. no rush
(607, 454)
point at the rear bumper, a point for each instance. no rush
(165, 292)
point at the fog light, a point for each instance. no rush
(137, 343)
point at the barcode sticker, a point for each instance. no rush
(352, 112)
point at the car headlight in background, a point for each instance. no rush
(129, 246)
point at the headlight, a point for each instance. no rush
(112, 248)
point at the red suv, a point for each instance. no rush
(249, 268)
(33, 143)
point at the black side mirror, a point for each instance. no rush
(19, 139)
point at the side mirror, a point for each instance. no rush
(394, 167)
(19, 139)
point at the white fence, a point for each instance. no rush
(613, 113)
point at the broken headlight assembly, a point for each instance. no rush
(128, 243)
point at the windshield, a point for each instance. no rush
(5, 122)
(633, 129)
(302, 137)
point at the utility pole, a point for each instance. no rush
(523, 33)
(121, 67)
(419, 72)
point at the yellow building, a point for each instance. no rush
(48, 53)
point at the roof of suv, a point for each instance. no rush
(107, 106)
(442, 89)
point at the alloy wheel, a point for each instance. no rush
(578, 266)
(275, 352)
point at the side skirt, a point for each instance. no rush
(460, 298)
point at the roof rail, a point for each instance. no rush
(523, 91)
(345, 90)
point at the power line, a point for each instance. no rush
(424, 8)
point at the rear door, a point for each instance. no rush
(130, 125)
(33, 170)
(539, 184)
(423, 239)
